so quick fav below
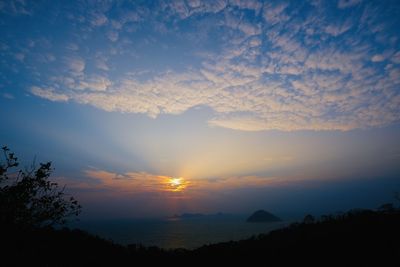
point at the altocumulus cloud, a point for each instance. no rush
(258, 65)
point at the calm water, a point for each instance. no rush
(178, 233)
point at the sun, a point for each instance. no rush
(177, 184)
(175, 181)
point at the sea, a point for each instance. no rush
(171, 233)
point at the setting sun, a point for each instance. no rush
(176, 181)
(177, 184)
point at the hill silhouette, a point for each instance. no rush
(263, 216)
(355, 238)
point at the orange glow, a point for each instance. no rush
(177, 184)
(169, 186)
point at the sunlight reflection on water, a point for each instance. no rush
(186, 233)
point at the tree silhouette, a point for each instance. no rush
(387, 207)
(308, 219)
(397, 196)
(28, 198)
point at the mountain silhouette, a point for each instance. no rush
(263, 216)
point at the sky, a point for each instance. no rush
(151, 108)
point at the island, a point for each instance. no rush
(263, 216)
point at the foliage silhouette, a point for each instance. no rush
(308, 219)
(355, 238)
(29, 199)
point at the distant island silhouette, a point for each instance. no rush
(263, 216)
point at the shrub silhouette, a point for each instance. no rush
(29, 199)
(308, 219)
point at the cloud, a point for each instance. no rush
(16, 7)
(98, 19)
(49, 94)
(112, 36)
(20, 57)
(275, 13)
(348, 3)
(8, 96)
(396, 58)
(143, 182)
(50, 57)
(248, 4)
(102, 64)
(243, 123)
(94, 83)
(377, 58)
(130, 182)
(338, 29)
(258, 65)
(76, 64)
(72, 46)
(243, 102)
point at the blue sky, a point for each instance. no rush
(231, 97)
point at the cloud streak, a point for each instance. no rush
(143, 182)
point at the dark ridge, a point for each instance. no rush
(355, 238)
(263, 216)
